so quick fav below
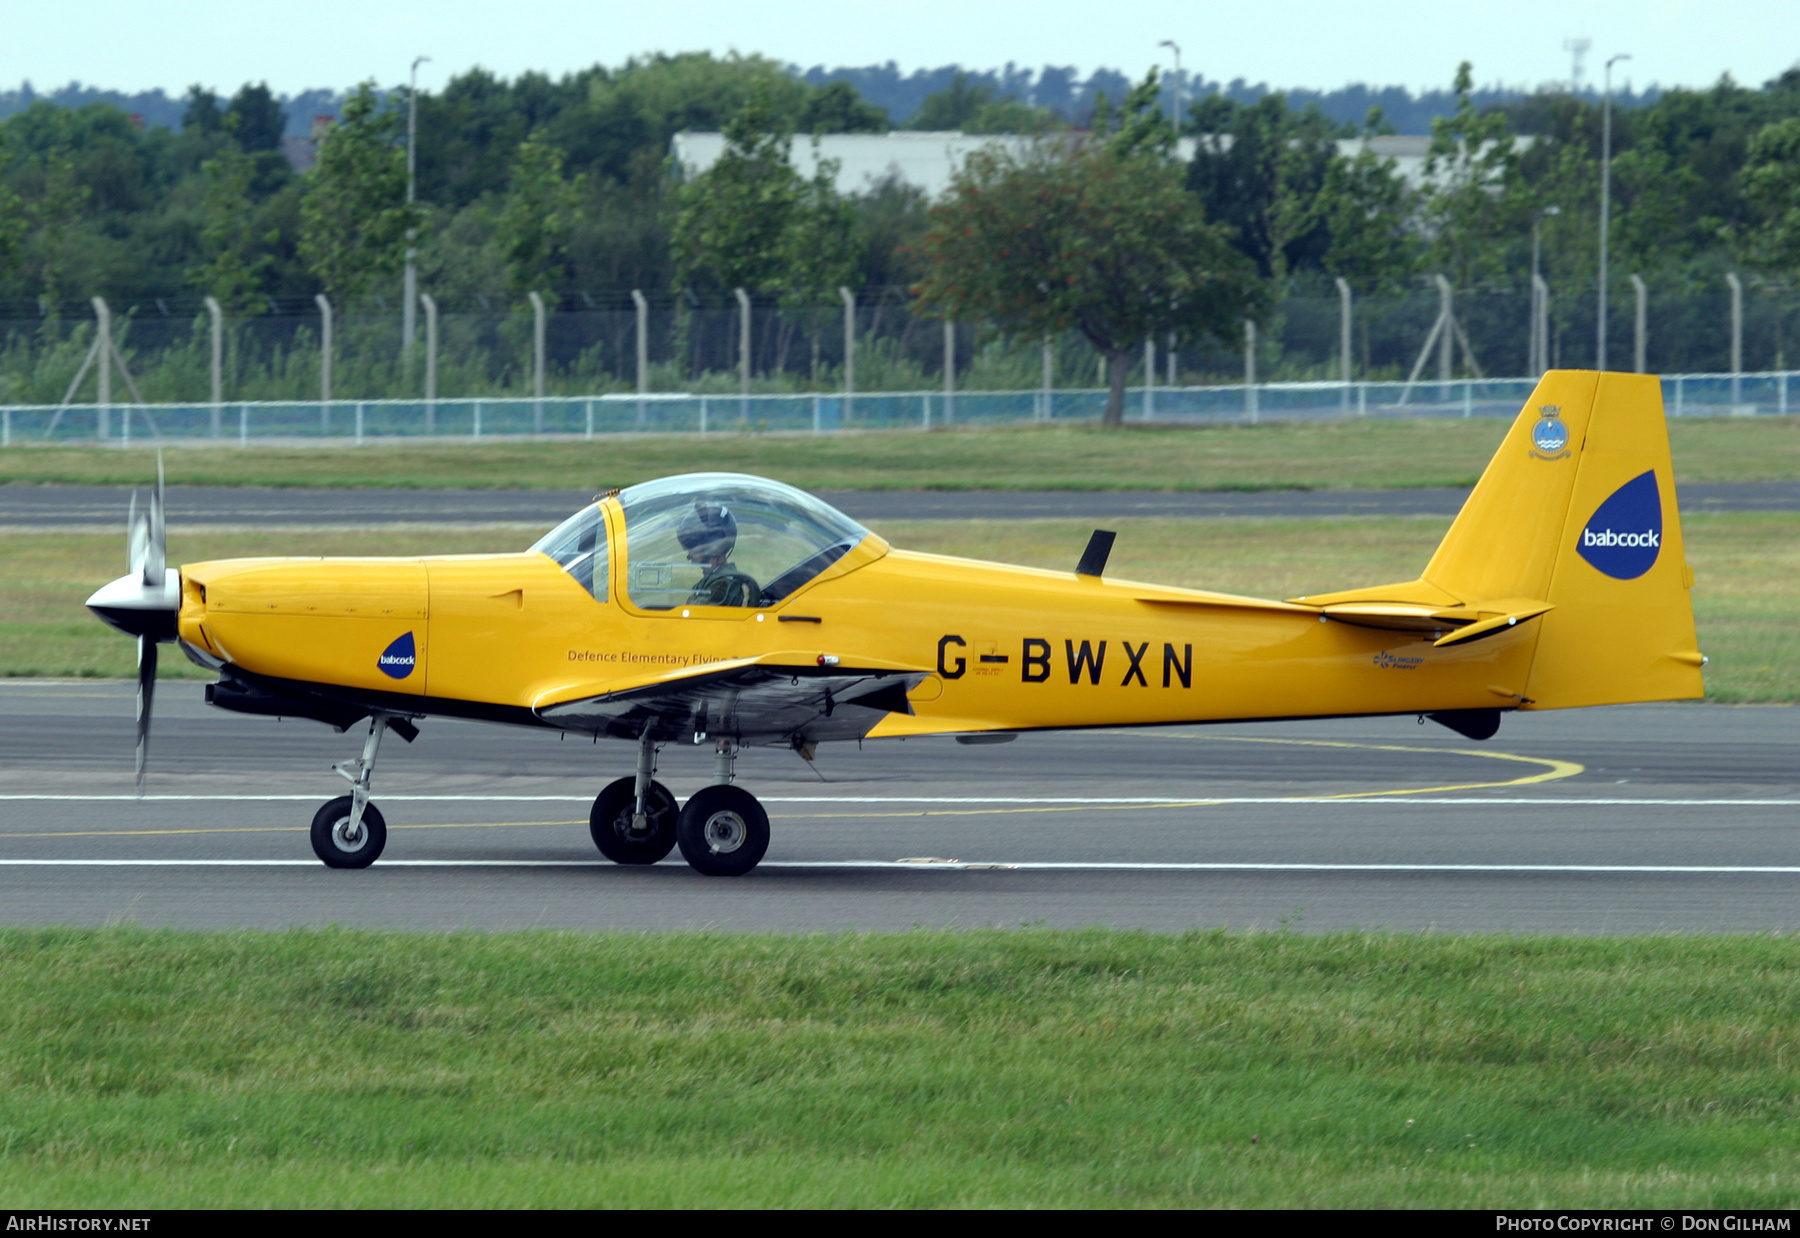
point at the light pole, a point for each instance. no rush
(410, 294)
(1175, 47)
(1537, 363)
(1605, 203)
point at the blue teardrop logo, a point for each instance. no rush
(397, 660)
(1624, 535)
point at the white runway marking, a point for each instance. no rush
(1172, 801)
(972, 865)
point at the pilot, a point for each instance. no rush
(709, 535)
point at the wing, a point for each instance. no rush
(775, 699)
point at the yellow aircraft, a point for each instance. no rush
(729, 610)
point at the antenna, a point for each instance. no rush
(1578, 50)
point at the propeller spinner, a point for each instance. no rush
(144, 602)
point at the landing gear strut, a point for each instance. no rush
(723, 831)
(633, 819)
(349, 831)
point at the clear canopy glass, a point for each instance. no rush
(727, 539)
(579, 545)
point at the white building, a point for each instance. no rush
(928, 160)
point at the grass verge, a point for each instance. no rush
(1377, 454)
(1746, 600)
(1012, 1068)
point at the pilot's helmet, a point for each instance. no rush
(708, 532)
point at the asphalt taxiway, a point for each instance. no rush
(1629, 819)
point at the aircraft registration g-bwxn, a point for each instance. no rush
(731, 611)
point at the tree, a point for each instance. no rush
(260, 120)
(1472, 204)
(734, 221)
(1772, 185)
(1098, 236)
(837, 108)
(1267, 178)
(1368, 213)
(355, 219)
(539, 214)
(233, 269)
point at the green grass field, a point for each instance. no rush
(1746, 600)
(1308, 455)
(1009, 1068)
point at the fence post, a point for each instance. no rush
(643, 351)
(1737, 338)
(103, 345)
(815, 414)
(1362, 399)
(703, 414)
(243, 425)
(1250, 409)
(1540, 325)
(589, 410)
(537, 363)
(925, 404)
(743, 300)
(1782, 388)
(949, 371)
(218, 359)
(1049, 377)
(1343, 287)
(1678, 395)
(1446, 315)
(6, 420)
(1468, 397)
(431, 351)
(1639, 325)
(359, 423)
(1149, 378)
(477, 432)
(324, 363)
(849, 355)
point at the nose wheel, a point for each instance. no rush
(341, 840)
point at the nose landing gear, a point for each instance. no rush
(349, 831)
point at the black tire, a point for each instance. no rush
(723, 831)
(328, 840)
(610, 823)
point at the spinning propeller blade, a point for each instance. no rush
(144, 602)
(146, 693)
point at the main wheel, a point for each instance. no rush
(723, 831)
(610, 823)
(333, 842)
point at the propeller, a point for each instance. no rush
(144, 602)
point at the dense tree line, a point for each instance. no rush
(565, 186)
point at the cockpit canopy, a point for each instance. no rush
(708, 539)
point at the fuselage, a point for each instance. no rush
(1002, 647)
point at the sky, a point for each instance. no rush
(133, 45)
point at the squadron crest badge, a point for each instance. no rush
(1549, 436)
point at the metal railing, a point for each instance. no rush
(587, 417)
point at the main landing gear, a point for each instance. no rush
(722, 830)
(349, 831)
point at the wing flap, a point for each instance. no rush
(772, 698)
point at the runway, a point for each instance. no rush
(103, 508)
(1632, 819)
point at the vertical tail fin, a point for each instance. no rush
(1577, 509)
